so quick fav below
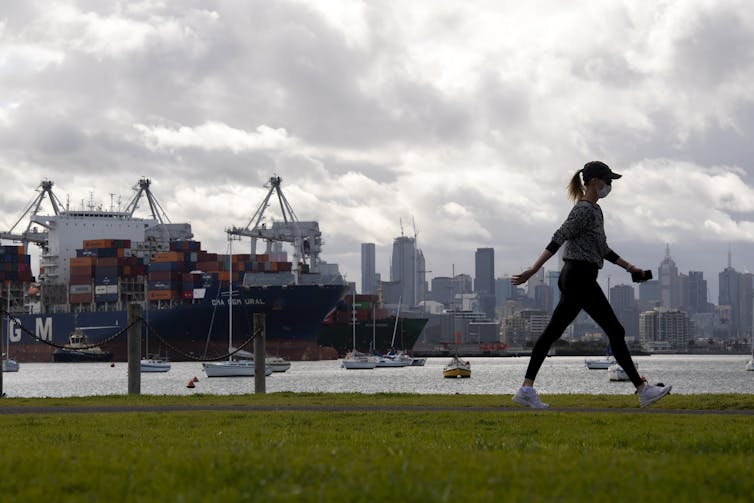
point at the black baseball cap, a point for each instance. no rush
(598, 169)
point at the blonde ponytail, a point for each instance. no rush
(576, 189)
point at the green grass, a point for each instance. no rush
(500, 454)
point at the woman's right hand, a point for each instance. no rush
(519, 279)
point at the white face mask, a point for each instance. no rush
(604, 191)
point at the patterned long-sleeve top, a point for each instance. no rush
(583, 233)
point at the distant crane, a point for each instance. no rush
(31, 234)
(305, 237)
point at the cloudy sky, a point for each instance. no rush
(462, 120)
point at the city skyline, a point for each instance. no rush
(605, 276)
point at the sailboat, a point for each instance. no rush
(457, 367)
(231, 367)
(276, 363)
(750, 363)
(601, 364)
(355, 359)
(395, 358)
(151, 363)
(9, 364)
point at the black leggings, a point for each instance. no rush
(579, 290)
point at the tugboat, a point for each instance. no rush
(79, 350)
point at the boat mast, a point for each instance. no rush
(230, 295)
(353, 318)
(395, 326)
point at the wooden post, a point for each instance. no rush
(134, 348)
(4, 334)
(260, 355)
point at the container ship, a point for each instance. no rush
(95, 262)
(376, 330)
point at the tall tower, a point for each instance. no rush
(403, 269)
(368, 273)
(484, 279)
(669, 283)
(728, 295)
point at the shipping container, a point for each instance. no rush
(11, 250)
(85, 298)
(81, 280)
(83, 261)
(172, 256)
(110, 297)
(163, 285)
(80, 289)
(161, 294)
(165, 276)
(165, 266)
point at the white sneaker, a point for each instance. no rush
(529, 398)
(651, 393)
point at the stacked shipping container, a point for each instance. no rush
(183, 273)
(187, 272)
(98, 267)
(15, 266)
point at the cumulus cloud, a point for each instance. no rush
(465, 119)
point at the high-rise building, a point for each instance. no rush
(623, 300)
(442, 289)
(552, 281)
(503, 290)
(368, 273)
(484, 267)
(664, 329)
(406, 263)
(745, 305)
(697, 294)
(669, 282)
(484, 280)
(728, 295)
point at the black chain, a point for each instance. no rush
(153, 332)
(28, 332)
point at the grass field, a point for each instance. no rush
(379, 448)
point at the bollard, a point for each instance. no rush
(260, 356)
(134, 349)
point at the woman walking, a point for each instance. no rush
(583, 234)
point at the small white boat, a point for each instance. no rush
(394, 359)
(418, 362)
(232, 368)
(154, 365)
(276, 363)
(749, 365)
(358, 361)
(616, 373)
(602, 364)
(10, 365)
(457, 368)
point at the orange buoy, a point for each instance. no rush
(190, 384)
(195, 379)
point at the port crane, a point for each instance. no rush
(31, 234)
(304, 237)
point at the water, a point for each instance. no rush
(560, 374)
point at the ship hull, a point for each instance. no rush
(340, 335)
(192, 331)
(73, 356)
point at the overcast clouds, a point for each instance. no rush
(467, 117)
